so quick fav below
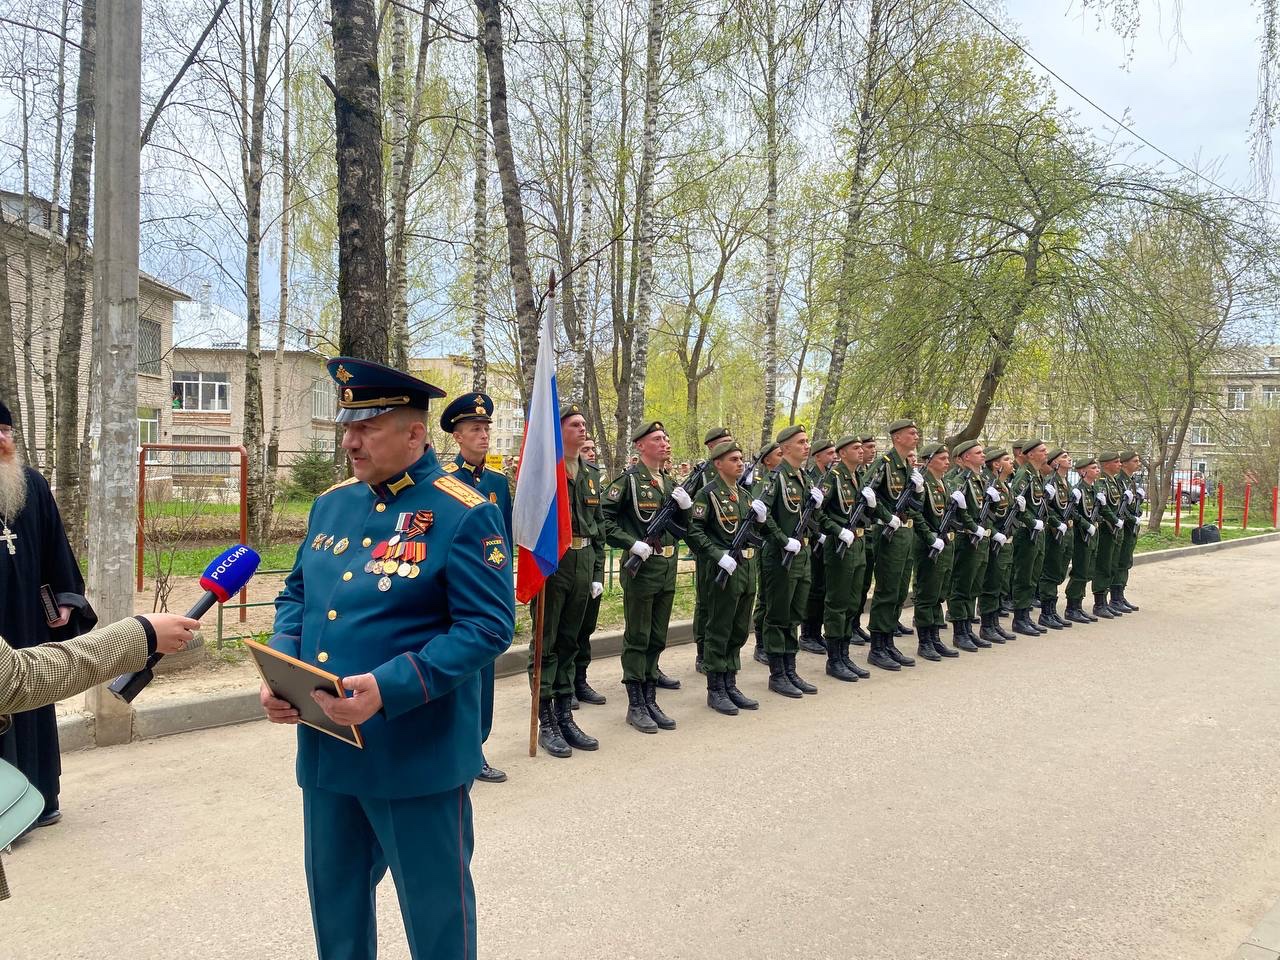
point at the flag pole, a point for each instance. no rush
(539, 607)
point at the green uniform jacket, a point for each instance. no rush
(630, 502)
(717, 512)
(841, 496)
(937, 497)
(1111, 499)
(890, 474)
(1028, 482)
(1088, 502)
(586, 512)
(1000, 509)
(970, 483)
(784, 499)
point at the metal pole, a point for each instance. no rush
(142, 486)
(536, 641)
(244, 522)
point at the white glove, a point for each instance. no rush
(846, 537)
(1075, 494)
(993, 493)
(917, 481)
(642, 550)
(1062, 528)
(999, 538)
(1142, 492)
(1050, 489)
(597, 589)
(957, 497)
(1128, 494)
(869, 495)
(817, 496)
(1021, 501)
(894, 522)
(938, 545)
(727, 564)
(1039, 525)
(982, 532)
(1093, 528)
(1102, 496)
(822, 538)
(792, 545)
(758, 508)
(681, 496)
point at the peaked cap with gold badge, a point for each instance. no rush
(469, 406)
(368, 389)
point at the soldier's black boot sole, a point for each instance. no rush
(1022, 624)
(924, 648)
(584, 691)
(977, 641)
(836, 667)
(960, 640)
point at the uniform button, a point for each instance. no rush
(333, 614)
(380, 507)
(367, 541)
(347, 575)
(322, 657)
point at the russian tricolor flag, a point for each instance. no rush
(540, 521)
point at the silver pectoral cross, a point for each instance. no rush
(8, 536)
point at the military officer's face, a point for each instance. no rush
(973, 458)
(472, 438)
(731, 466)
(796, 450)
(654, 448)
(385, 445)
(574, 431)
(1002, 467)
(1090, 473)
(940, 463)
(1063, 465)
(1037, 456)
(851, 455)
(773, 459)
(588, 450)
(868, 451)
(826, 458)
(1111, 468)
(906, 439)
(1130, 466)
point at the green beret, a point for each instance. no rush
(786, 433)
(845, 441)
(1017, 445)
(964, 447)
(1108, 456)
(1128, 454)
(723, 448)
(652, 427)
(1029, 445)
(767, 449)
(1092, 461)
(995, 453)
(931, 450)
(1053, 454)
(714, 434)
(900, 425)
(819, 446)
(572, 410)
(866, 438)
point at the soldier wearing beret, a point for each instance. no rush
(403, 589)
(578, 578)
(786, 588)
(1084, 540)
(933, 553)
(971, 551)
(720, 510)
(822, 454)
(714, 437)
(1028, 539)
(1019, 462)
(468, 418)
(1134, 495)
(844, 555)
(582, 690)
(1057, 537)
(865, 472)
(1110, 493)
(997, 475)
(770, 457)
(647, 595)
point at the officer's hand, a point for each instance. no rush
(895, 522)
(1142, 492)
(1039, 525)
(597, 589)
(1102, 496)
(1075, 494)
(1021, 501)
(642, 550)
(1128, 495)
(917, 481)
(957, 496)
(1050, 489)
(278, 711)
(938, 545)
(993, 493)
(681, 496)
(792, 545)
(982, 532)
(1093, 528)
(999, 538)
(816, 494)
(847, 537)
(1062, 528)
(822, 538)
(727, 564)
(869, 495)
(364, 702)
(760, 511)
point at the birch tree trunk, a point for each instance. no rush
(282, 321)
(480, 222)
(50, 252)
(29, 287)
(580, 335)
(771, 295)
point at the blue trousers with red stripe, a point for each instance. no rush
(426, 843)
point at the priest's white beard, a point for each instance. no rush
(13, 486)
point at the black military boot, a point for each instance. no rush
(897, 654)
(990, 630)
(697, 657)
(1046, 619)
(1006, 606)
(967, 627)
(573, 701)
(811, 637)
(856, 670)
(939, 645)
(836, 665)
(924, 645)
(717, 698)
(651, 703)
(1100, 608)
(901, 630)
(860, 636)
(739, 698)
(637, 712)
(665, 682)
(569, 729)
(1053, 612)
(1076, 614)
(1087, 615)
(999, 627)
(1022, 623)
(778, 680)
(549, 736)
(582, 690)
(797, 681)
(879, 656)
(1117, 598)
(1133, 607)
(759, 656)
(960, 639)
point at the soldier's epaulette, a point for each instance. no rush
(345, 483)
(450, 468)
(459, 491)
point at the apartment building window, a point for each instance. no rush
(206, 392)
(148, 425)
(1237, 398)
(1271, 397)
(1199, 433)
(149, 347)
(324, 399)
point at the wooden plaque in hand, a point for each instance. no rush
(294, 681)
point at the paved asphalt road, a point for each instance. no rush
(1109, 793)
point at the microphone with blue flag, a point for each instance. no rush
(225, 576)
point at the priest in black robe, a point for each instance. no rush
(35, 554)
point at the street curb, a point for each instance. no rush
(202, 711)
(1264, 942)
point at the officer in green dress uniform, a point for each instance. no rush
(719, 511)
(934, 549)
(1134, 495)
(1110, 492)
(996, 476)
(844, 554)
(715, 436)
(786, 588)
(1084, 541)
(583, 692)
(1057, 537)
(770, 457)
(1019, 462)
(578, 578)
(468, 418)
(893, 474)
(822, 454)
(865, 471)
(648, 595)
(1028, 539)
(402, 588)
(971, 550)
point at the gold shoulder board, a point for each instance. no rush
(459, 491)
(345, 483)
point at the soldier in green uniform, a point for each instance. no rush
(1110, 534)
(579, 577)
(844, 554)
(935, 549)
(971, 551)
(860, 636)
(1134, 496)
(648, 594)
(996, 476)
(1083, 541)
(822, 455)
(891, 475)
(1006, 593)
(719, 511)
(583, 692)
(715, 436)
(1057, 537)
(770, 457)
(1028, 539)
(786, 588)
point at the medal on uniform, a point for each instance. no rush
(380, 550)
(403, 522)
(394, 540)
(328, 542)
(341, 546)
(403, 569)
(389, 566)
(315, 543)
(422, 520)
(384, 584)
(369, 567)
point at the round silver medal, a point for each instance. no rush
(384, 584)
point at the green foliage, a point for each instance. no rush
(310, 474)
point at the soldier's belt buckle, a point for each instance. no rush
(951, 535)
(858, 532)
(748, 553)
(577, 543)
(668, 551)
(1069, 524)
(908, 524)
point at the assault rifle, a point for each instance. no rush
(1012, 517)
(855, 518)
(984, 515)
(806, 520)
(746, 536)
(663, 520)
(944, 527)
(1067, 515)
(904, 501)
(748, 475)
(1040, 512)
